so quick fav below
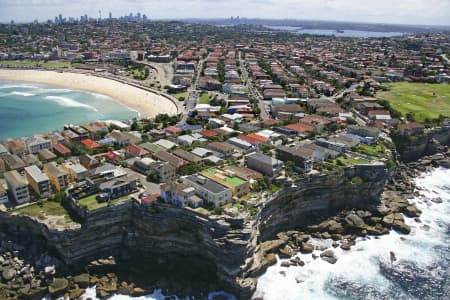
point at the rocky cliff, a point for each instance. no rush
(224, 250)
(412, 148)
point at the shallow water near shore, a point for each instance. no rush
(421, 269)
(30, 108)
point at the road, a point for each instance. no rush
(256, 95)
(444, 57)
(193, 95)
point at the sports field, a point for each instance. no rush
(423, 100)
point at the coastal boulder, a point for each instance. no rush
(8, 274)
(307, 248)
(286, 252)
(400, 226)
(412, 211)
(58, 286)
(328, 256)
(82, 280)
(354, 221)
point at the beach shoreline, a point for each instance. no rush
(146, 103)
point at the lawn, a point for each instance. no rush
(42, 64)
(181, 96)
(423, 100)
(204, 98)
(43, 209)
(349, 161)
(374, 150)
(91, 203)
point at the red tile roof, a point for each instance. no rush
(61, 149)
(90, 143)
(209, 133)
(135, 150)
(173, 129)
(301, 127)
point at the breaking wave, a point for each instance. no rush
(68, 102)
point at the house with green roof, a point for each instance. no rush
(239, 186)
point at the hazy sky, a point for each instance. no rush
(433, 12)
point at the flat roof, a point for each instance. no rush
(231, 180)
(36, 173)
(208, 184)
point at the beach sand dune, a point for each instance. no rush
(148, 104)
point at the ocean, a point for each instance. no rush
(29, 108)
(421, 271)
(344, 33)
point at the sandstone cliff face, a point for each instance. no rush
(432, 142)
(320, 197)
(218, 246)
(226, 248)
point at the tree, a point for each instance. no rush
(153, 177)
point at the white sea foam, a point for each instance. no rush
(361, 264)
(68, 102)
(15, 86)
(24, 94)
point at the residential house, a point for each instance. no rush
(208, 189)
(71, 137)
(165, 171)
(3, 195)
(61, 150)
(180, 194)
(17, 186)
(170, 158)
(38, 181)
(264, 164)
(76, 171)
(13, 162)
(2, 167)
(379, 115)
(241, 144)
(119, 137)
(3, 150)
(301, 157)
(30, 160)
(36, 143)
(46, 155)
(223, 148)
(116, 188)
(239, 186)
(135, 151)
(90, 144)
(364, 131)
(187, 156)
(89, 162)
(57, 175)
(16, 147)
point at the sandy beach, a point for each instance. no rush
(146, 103)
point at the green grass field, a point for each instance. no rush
(44, 209)
(181, 96)
(423, 100)
(91, 203)
(204, 99)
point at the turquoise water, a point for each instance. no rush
(29, 108)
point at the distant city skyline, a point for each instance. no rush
(415, 12)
